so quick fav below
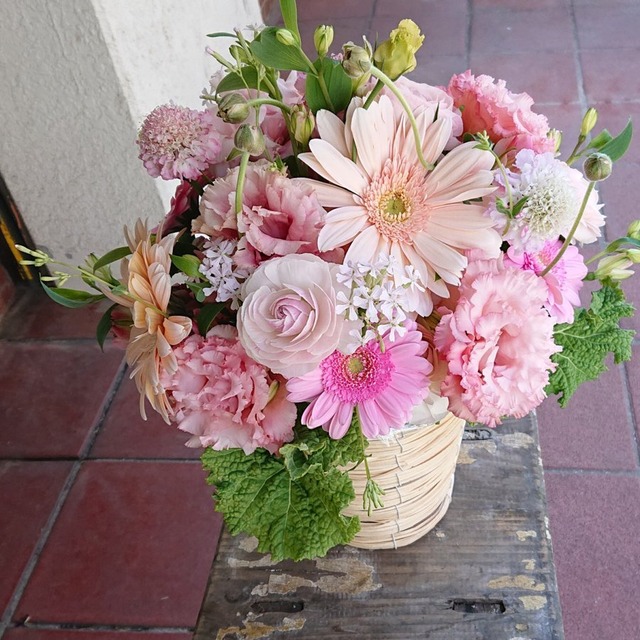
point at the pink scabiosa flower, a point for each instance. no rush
(386, 202)
(384, 386)
(498, 343)
(554, 193)
(178, 142)
(487, 105)
(226, 399)
(564, 281)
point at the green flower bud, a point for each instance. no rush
(634, 230)
(633, 255)
(302, 122)
(322, 39)
(615, 267)
(233, 107)
(396, 56)
(556, 136)
(238, 53)
(597, 167)
(286, 37)
(356, 61)
(588, 122)
(249, 138)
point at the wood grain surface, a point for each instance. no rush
(484, 573)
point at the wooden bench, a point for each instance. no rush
(485, 573)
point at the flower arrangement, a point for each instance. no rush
(349, 252)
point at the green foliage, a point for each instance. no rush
(71, 298)
(207, 315)
(104, 326)
(188, 264)
(338, 83)
(289, 12)
(272, 53)
(245, 78)
(594, 333)
(111, 256)
(617, 147)
(293, 502)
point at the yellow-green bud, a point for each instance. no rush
(396, 55)
(615, 267)
(356, 61)
(634, 230)
(302, 122)
(588, 122)
(233, 107)
(322, 39)
(249, 138)
(633, 255)
(238, 53)
(556, 136)
(597, 167)
(286, 37)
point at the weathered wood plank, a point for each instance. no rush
(485, 573)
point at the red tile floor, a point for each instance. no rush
(107, 530)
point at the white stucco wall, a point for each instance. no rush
(76, 79)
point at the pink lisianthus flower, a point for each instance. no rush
(384, 386)
(226, 399)
(498, 343)
(279, 216)
(487, 105)
(178, 142)
(564, 281)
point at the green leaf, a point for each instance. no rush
(198, 289)
(600, 140)
(245, 78)
(71, 298)
(290, 16)
(207, 315)
(104, 326)
(221, 34)
(617, 147)
(594, 333)
(338, 83)
(292, 517)
(111, 256)
(188, 264)
(272, 53)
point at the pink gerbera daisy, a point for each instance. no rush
(383, 385)
(386, 202)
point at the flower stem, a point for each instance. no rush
(567, 240)
(242, 172)
(374, 94)
(376, 73)
(276, 103)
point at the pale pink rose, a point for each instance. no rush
(424, 97)
(564, 281)
(279, 216)
(288, 321)
(224, 398)
(487, 105)
(497, 342)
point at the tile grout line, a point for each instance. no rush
(582, 96)
(625, 473)
(469, 25)
(91, 627)
(30, 566)
(628, 403)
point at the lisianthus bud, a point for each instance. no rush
(589, 121)
(238, 53)
(322, 39)
(286, 37)
(249, 138)
(396, 55)
(356, 61)
(233, 107)
(634, 230)
(615, 267)
(633, 255)
(597, 167)
(556, 136)
(302, 122)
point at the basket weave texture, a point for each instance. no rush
(415, 468)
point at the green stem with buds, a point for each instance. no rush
(376, 73)
(567, 240)
(242, 172)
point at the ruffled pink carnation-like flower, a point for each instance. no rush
(178, 142)
(564, 281)
(498, 343)
(384, 386)
(288, 320)
(487, 105)
(279, 216)
(226, 399)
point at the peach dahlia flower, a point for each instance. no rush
(386, 202)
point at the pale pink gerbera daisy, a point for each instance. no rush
(383, 386)
(386, 202)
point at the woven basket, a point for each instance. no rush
(415, 467)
